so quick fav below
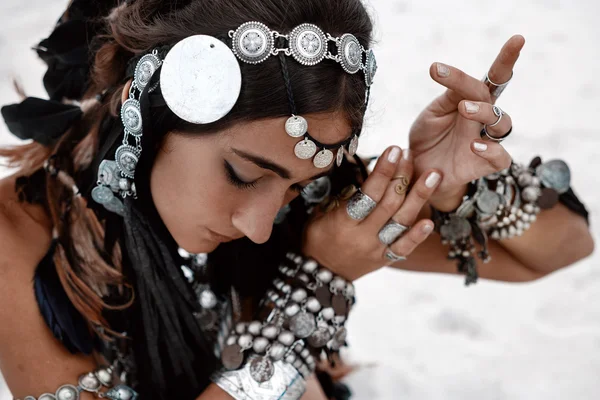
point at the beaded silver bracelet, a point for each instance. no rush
(92, 382)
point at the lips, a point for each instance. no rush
(219, 237)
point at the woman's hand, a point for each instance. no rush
(446, 135)
(352, 248)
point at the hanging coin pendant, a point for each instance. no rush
(353, 147)
(232, 357)
(458, 228)
(115, 205)
(305, 149)
(340, 157)
(488, 202)
(102, 194)
(144, 70)
(303, 324)
(67, 392)
(262, 369)
(339, 305)
(89, 382)
(323, 159)
(556, 175)
(324, 296)
(127, 158)
(108, 175)
(296, 126)
(131, 115)
(319, 337)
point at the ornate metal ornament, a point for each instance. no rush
(232, 357)
(340, 157)
(127, 158)
(457, 228)
(370, 67)
(144, 70)
(556, 175)
(308, 44)
(323, 159)
(261, 369)
(350, 52)
(353, 147)
(488, 202)
(319, 337)
(102, 194)
(305, 149)
(131, 116)
(296, 126)
(253, 42)
(303, 324)
(121, 392)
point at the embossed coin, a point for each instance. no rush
(303, 324)
(253, 42)
(371, 67)
(108, 174)
(457, 228)
(261, 369)
(131, 116)
(319, 337)
(323, 159)
(556, 175)
(340, 157)
(232, 357)
(102, 194)
(67, 392)
(308, 44)
(488, 202)
(127, 158)
(353, 147)
(144, 70)
(296, 126)
(350, 52)
(305, 149)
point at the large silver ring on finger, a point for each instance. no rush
(393, 257)
(496, 89)
(360, 206)
(391, 232)
(498, 113)
(485, 135)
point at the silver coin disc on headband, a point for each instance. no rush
(144, 70)
(350, 52)
(308, 44)
(200, 79)
(370, 67)
(340, 157)
(296, 126)
(131, 115)
(127, 158)
(353, 147)
(102, 194)
(253, 42)
(305, 149)
(323, 159)
(556, 175)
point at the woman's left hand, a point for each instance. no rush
(446, 135)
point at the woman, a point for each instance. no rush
(98, 232)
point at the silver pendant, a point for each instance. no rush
(303, 324)
(89, 382)
(121, 392)
(262, 369)
(319, 337)
(340, 157)
(102, 194)
(115, 205)
(144, 70)
(488, 202)
(350, 53)
(131, 116)
(108, 175)
(305, 149)
(127, 158)
(308, 44)
(370, 68)
(316, 191)
(323, 159)
(531, 193)
(104, 375)
(207, 299)
(67, 392)
(232, 357)
(200, 79)
(555, 175)
(353, 147)
(253, 42)
(457, 228)
(296, 126)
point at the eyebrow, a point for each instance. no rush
(271, 166)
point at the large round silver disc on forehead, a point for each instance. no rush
(200, 79)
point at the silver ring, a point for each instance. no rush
(499, 113)
(390, 255)
(484, 134)
(391, 232)
(360, 206)
(495, 88)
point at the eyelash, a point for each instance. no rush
(240, 184)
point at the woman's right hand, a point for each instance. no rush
(352, 248)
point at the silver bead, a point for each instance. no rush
(328, 313)
(349, 289)
(500, 225)
(528, 208)
(89, 382)
(67, 392)
(512, 231)
(520, 232)
(325, 276)
(532, 218)
(530, 194)
(537, 210)
(338, 283)
(525, 217)
(298, 347)
(512, 217)
(260, 344)
(124, 184)
(466, 254)
(286, 338)
(525, 179)
(277, 351)
(519, 224)
(506, 221)
(286, 288)
(245, 341)
(290, 358)
(305, 353)
(231, 340)
(339, 319)
(240, 328)
(299, 295)
(527, 226)
(519, 212)
(313, 305)
(535, 181)
(208, 299)
(47, 396)
(297, 364)
(254, 328)
(104, 375)
(280, 303)
(495, 235)
(503, 234)
(292, 309)
(270, 331)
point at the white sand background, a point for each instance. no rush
(425, 336)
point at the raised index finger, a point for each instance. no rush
(502, 68)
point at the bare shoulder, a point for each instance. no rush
(25, 231)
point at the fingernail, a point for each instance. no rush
(480, 146)
(432, 180)
(406, 154)
(443, 70)
(427, 229)
(394, 155)
(472, 108)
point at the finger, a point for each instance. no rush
(394, 196)
(384, 170)
(417, 197)
(497, 157)
(412, 238)
(461, 85)
(484, 113)
(502, 68)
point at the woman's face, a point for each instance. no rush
(210, 189)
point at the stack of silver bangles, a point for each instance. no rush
(92, 382)
(501, 206)
(306, 310)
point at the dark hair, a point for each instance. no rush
(83, 262)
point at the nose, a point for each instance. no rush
(255, 219)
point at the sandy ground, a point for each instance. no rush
(426, 336)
